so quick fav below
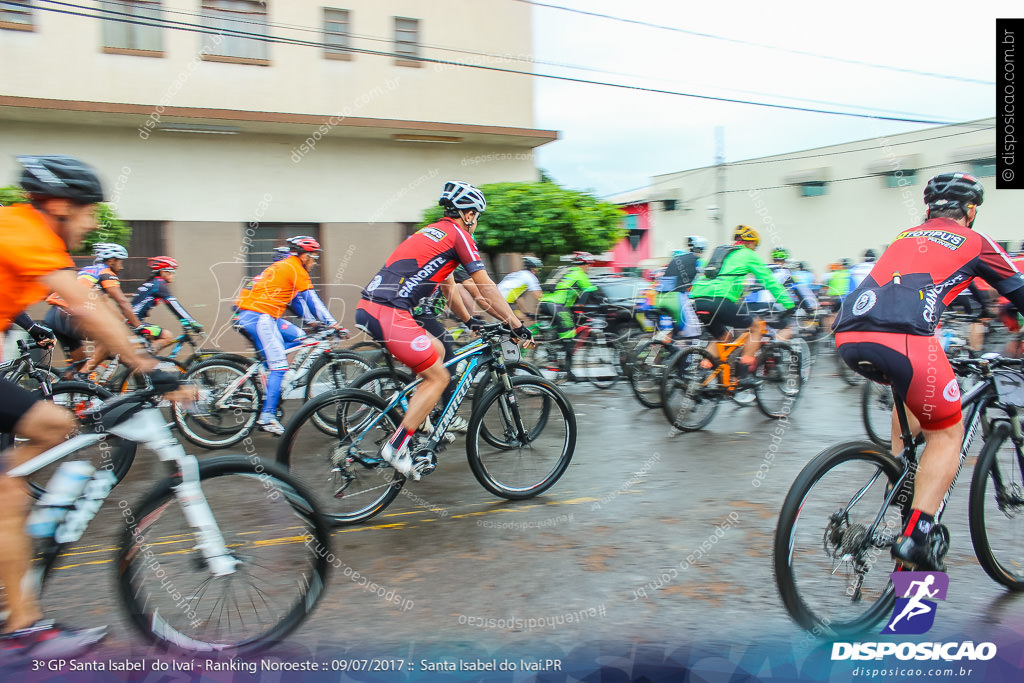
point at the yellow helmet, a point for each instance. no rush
(745, 233)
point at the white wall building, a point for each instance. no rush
(216, 143)
(831, 202)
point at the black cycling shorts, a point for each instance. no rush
(14, 403)
(64, 328)
(720, 314)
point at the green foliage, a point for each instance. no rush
(542, 219)
(111, 228)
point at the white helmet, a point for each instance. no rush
(105, 250)
(696, 243)
(462, 196)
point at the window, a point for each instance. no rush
(337, 34)
(125, 30)
(407, 38)
(983, 167)
(900, 178)
(235, 17)
(814, 189)
(668, 204)
(16, 15)
(631, 221)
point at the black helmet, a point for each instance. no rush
(954, 188)
(870, 255)
(531, 262)
(60, 176)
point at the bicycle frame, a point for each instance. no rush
(146, 427)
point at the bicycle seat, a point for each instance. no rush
(872, 372)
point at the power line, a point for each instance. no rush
(185, 26)
(765, 46)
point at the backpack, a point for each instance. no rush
(714, 265)
(549, 285)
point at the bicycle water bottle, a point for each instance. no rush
(64, 487)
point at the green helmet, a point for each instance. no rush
(779, 254)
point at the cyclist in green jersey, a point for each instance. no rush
(574, 287)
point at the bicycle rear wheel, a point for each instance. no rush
(271, 528)
(512, 468)
(689, 397)
(344, 470)
(876, 410)
(646, 366)
(831, 570)
(597, 362)
(996, 504)
(335, 370)
(213, 426)
(779, 369)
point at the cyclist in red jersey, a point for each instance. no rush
(420, 264)
(889, 322)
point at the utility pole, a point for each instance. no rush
(720, 181)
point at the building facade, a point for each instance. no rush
(221, 126)
(831, 202)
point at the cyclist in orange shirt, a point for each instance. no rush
(35, 260)
(284, 284)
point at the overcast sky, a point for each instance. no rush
(614, 140)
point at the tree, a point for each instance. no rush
(542, 219)
(111, 228)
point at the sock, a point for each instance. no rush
(918, 526)
(400, 438)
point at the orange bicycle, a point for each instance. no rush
(695, 382)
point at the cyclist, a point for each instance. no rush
(414, 270)
(861, 270)
(573, 288)
(762, 300)
(889, 323)
(715, 298)
(37, 236)
(155, 291)
(674, 285)
(284, 284)
(41, 334)
(523, 284)
(697, 245)
(102, 275)
(837, 287)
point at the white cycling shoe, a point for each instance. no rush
(270, 425)
(400, 459)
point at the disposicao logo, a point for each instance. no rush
(914, 612)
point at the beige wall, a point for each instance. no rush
(62, 59)
(852, 216)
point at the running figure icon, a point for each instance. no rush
(916, 588)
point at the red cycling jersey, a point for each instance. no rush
(920, 273)
(421, 263)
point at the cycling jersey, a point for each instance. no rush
(679, 273)
(514, 285)
(799, 291)
(434, 304)
(859, 272)
(283, 284)
(97, 275)
(838, 283)
(572, 285)
(31, 250)
(153, 292)
(920, 273)
(732, 277)
(420, 263)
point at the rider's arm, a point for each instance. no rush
(101, 324)
(498, 307)
(765, 277)
(122, 303)
(311, 308)
(455, 301)
(995, 267)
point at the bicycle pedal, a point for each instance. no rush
(424, 461)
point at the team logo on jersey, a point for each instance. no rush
(374, 283)
(420, 343)
(952, 392)
(865, 302)
(433, 233)
(950, 240)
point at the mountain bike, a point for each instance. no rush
(225, 554)
(695, 381)
(520, 440)
(231, 396)
(850, 503)
(595, 357)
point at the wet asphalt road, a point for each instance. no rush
(583, 563)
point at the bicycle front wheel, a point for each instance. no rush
(335, 370)
(521, 465)
(996, 504)
(646, 366)
(271, 528)
(831, 564)
(779, 369)
(688, 397)
(598, 362)
(342, 464)
(876, 410)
